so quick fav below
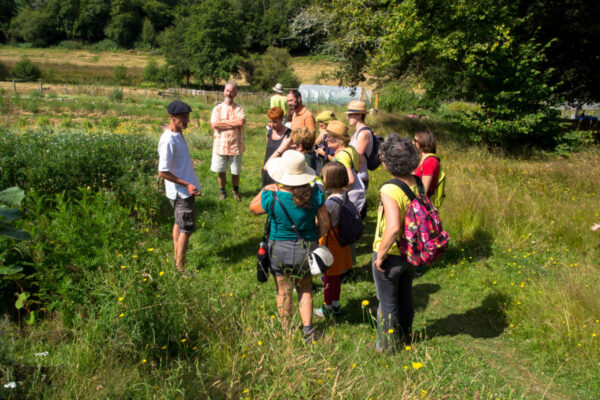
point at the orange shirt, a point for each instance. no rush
(228, 142)
(303, 117)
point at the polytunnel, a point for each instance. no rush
(342, 95)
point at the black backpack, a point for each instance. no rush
(350, 226)
(373, 159)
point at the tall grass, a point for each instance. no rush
(511, 310)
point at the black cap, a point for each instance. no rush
(178, 107)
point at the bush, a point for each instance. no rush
(398, 97)
(3, 71)
(71, 45)
(116, 94)
(152, 72)
(26, 70)
(262, 72)
(106, 45)
(120, 74)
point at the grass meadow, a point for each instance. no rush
(510, 312)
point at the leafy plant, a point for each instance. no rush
(26, 70)
(11, 197)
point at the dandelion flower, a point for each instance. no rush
(194, 348)
(121, 298)
(260, 343)
(161, 273)
(183, 340)
(123, 267)
(119, 255)
(272, 317)
(144, 361)
(245, 391)
(423, 393)
(405, 367)
(121, 315)
(390, 330)
(353, 365)
(151, 249)
(365, 303)
(417, 365)
(163, 348)
(135, 256)
(407, 348)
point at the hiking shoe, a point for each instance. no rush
(309, 337)
(236, 195)
(336, 311)
(326, 312)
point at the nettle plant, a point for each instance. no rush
(9, 199)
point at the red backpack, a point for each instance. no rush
(423, 240)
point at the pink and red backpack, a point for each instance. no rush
(423, 240)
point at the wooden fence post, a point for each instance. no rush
(14, 86)
(41, 88)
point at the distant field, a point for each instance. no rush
(86, 66)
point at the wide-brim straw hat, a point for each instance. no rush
(278, 88)
(357, 107)
(290, 169)
(338, 129)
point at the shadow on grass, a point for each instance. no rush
(486, 321)
(479, 247)
(355, 313)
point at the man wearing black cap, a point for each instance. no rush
(181, 184)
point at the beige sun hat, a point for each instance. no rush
(357, 107)
(278, 88)
(338, 129)
(290, 169)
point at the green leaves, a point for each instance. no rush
(11, 196)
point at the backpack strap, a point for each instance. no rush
(409, 193)
(267, 231)
(430, 155)
(294, 227)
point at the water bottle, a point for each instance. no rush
(262, 263)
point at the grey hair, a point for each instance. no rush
(232, 84)
(400, 155)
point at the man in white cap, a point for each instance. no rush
(278, 100)
(181, 184)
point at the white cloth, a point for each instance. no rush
(174, 156)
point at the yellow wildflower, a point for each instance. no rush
(417, 365)
(365, 303)
(161, 273)
(390, 331)
(121, 298)
(121, 315)
(151, 249)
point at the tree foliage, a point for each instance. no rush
(263, 71)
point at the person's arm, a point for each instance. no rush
(228, 123)
(323, 220)
(255, 205)
(310, 124)
(168, 175)
(350, 178)
(319, 139)
(428, 167)
(285, 144)
(391, 213)
(426, 179)
(362, 142)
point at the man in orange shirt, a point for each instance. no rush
(301, 115)
(228, 120)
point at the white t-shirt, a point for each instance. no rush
(174, 156)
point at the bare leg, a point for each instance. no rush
(222, 179)
(305, 303)
(235, 180)
(284, 299)
(180, 244)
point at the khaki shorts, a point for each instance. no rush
(220, 163)
(184, 213)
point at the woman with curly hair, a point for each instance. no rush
(392, 274)
(289, 263)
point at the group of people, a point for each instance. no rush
(306, 178)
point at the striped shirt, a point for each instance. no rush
(228, 142)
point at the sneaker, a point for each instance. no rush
(326, 312)
(236, 195)
(336, 311)
(309, 337)
(222, 196)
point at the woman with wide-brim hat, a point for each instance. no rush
(339, 141)
(361, 139)
(303, 202)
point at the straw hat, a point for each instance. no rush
(338, 129)
(290, 169)
(357, 107)
(278, 88)
(325, 116)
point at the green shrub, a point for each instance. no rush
(3, 71)
(120, 75)
(263, 71)
(116, 94)
(398, 97)
(106, 45)
(26, 70)
(152, 72)
(71, 45)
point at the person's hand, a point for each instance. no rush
(379, 262)
(273, 187)
(192, 190)
(595, 227)
(321, 152)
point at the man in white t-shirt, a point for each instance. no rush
(181, 184)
